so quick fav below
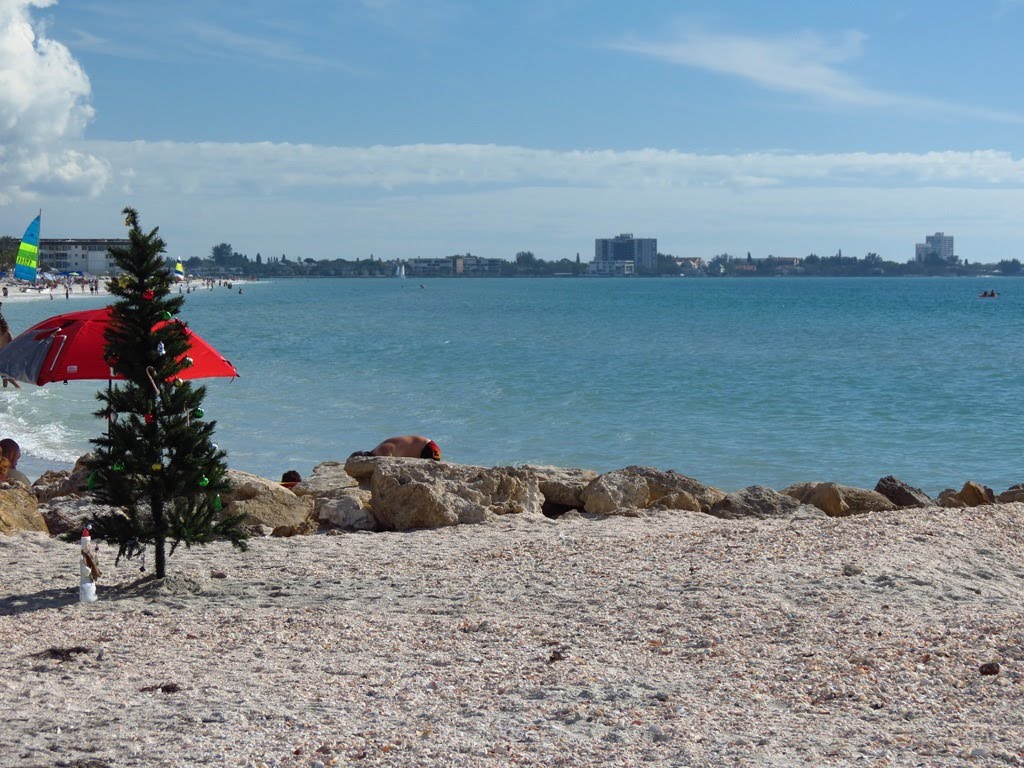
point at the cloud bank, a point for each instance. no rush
(44, 104)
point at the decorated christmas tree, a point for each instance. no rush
(157, 461)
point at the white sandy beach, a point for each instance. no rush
(673, 640)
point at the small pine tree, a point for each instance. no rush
(157, 460)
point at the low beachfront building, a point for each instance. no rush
(452, 266)
(86, 256)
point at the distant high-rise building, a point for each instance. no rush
(938, 246)
(642, 251)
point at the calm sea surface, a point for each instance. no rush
(731, 381)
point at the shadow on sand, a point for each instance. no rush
(51, 599)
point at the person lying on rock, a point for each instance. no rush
(408, 446)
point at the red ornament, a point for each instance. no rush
(149, 418)
(148, 294)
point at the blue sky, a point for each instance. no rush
(342, 128)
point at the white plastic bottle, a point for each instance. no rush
(87, 585)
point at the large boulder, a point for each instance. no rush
(825, 496)
(562, 488)
(861, 500)
(948, 497)
(362, 467)
(976, 495)
(69, 513)
(420, 493)
(761, 502)
(19, 509)
(338, 500)
(902, 494)
(633, 489)
(266, 503)
(839, 500)
(55, 483)
(1013, 493)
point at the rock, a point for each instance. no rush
(338, 499)
(562, 488)
(839, 500)
(989, 668)
(761, 502)
(419, 493)
(861, 500)
(352, 511)
(901, 494)
(264, 502)
(1013, 493)
(303, 528)
(363, 467)
(678, 500)
(976, 495)
(329, 480)
(852, 569)
(616, 493)
(53, 484)
(949, 498)
(68, 513)
(19, 510)
(633, 489)
(824, 496)
(50, 484)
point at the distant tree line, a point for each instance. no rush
(525, 264)
(224, 259)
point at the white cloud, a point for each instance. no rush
(802, 63)
(44, 103)
(264, 168)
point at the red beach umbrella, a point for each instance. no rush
(71, 346)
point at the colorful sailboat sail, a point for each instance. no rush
(179, 271)
(27, 261)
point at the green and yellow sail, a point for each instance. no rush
(27, 262)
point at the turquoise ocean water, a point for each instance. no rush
(731, 381)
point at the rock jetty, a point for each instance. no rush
(368, 493)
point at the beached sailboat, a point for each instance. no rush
(179, 271)
(26, 264)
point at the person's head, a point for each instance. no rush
(291, 476)
(431, 451)
(11, 451)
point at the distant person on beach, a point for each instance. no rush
(10, 451)
(291, 478)
(407, 446)
(5, 339)
(5, 330)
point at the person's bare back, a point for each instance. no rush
(408, 446)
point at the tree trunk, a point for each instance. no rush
(160, 538)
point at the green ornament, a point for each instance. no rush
(204, 481)
(199, 413)
(166, 315)
(118, 466)
(218, 505)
